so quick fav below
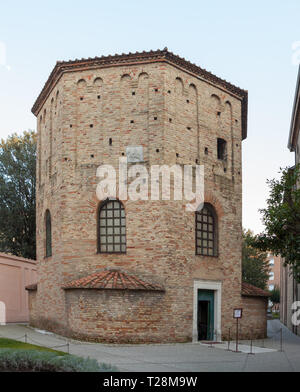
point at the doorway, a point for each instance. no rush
(205, 322)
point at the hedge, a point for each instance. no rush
(38, 361)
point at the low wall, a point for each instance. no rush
(254, 320)
(15, 274)
(115, 316)
(120, 316)
(32, 307)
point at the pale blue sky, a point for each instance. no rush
(248, 44)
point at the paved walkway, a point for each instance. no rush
(176, 357)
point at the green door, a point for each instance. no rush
(206, 314)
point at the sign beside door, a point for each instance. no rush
(237, 313)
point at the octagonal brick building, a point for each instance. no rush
(145, 270)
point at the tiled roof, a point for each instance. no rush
(140, 58)
(248, 290)
(112, 280)
(31, 287)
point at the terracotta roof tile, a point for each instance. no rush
(248, 290)
(31, 287)
(112, 280)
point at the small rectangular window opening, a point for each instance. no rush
(222, 153)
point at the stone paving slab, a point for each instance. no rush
(243, 348)
(193, 357)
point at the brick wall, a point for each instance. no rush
(177, 118)
(118, 316)
(33, 309)
(275, 269)
(254, 321)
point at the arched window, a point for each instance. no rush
(111, 227)
(48, 234)
(206, 231)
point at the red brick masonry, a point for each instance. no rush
(89, 112)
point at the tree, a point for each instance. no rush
(255, 266)
(275, 295)
(17, 194)
(281, 218)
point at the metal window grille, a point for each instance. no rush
(112, 228)
(206, 241)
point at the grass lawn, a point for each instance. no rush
(275, 316)
(14, 344)
(18, 356)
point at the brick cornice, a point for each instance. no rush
(136, 59)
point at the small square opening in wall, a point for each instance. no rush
(92, 155)
(188, 128)
(157, 150)
(81, 98)
(132, 122)
(170, 120)
(169, 91)
(187, 101)
(98, 96)
(206, 151)
(110, 141)
(91, 125)
(155, 118)
(71, 125)
(219, 114)
(156, 90)
(133, 92)
(177, 155)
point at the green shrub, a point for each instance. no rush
(275, 295)
(39, 361)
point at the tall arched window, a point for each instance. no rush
(111, 227)
(206, 231)
(48, 234)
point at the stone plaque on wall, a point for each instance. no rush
(134, 154)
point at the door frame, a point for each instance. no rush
(216, 286)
